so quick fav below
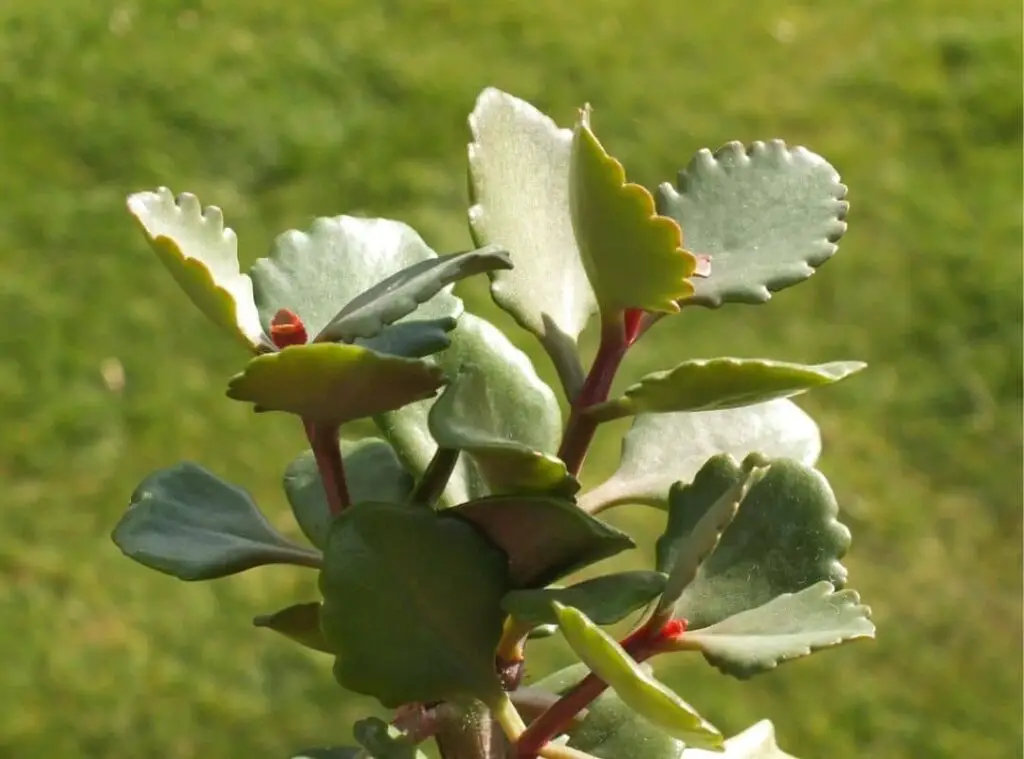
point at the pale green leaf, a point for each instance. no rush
(756, 742)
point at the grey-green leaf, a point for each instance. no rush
(300, 622)
(412, 339)
(403, 292)
(519, 181)
(767, 215)
(187, 522)
(318, 272)
(785, 537)
(721, 383)
(787, 627)
(372, 473)
(383, 741)
(605, 600)
(661, 449)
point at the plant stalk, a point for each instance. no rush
(327, 452)
(435, 478)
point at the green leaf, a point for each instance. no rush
(633, 257)
(412, 339)
(610, 729)
(661, 449)
(202, 255)
(787, 627)
(317, 273)
(544, 538)
(768, 215)
(412, 603)
(637, 688)
(519, 182)
(784, 538)
(187, 522)
(721, 383)
(756, 742)
(300, 622)
(403, 292)
(481, 415)
(384, 741)
(690, 545)
(521, 405)
(605, 599)
(372, 473)
(332, 383)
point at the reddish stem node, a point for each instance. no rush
(286, 328)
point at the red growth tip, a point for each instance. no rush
(672, 629)
(286, 328)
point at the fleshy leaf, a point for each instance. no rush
(479, 414)
(635, 685)
(605, 599)
(187, 522)
(519, 182)
(522, 404)
(767, 215)
(384, 741)
(317, 273)
(372, 473)
(784, 538)
(403, 292)
(721, 383)
(412, 603)
(787, 627)
(202, 254)
(689, 546)
(333, 383)
(300, 622)
(544, 538)
(756, 742)
(633, 257)
(412, 339)
(661, 449)
(611, 729)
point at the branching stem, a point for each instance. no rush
(435, 478)
(323, 439)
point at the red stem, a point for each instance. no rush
(327, 452)
(580, 429)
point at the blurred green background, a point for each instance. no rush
(279, 111)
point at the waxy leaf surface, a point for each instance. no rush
(544, 538)
(519, 181)
(333, 383)
(767, 215)
(784, 538)
(300, 622)
(412, 605)
(661, 449)
(605, 599)
(415, 338)
(187, 522)
(721, 383)
(787, 627)
(637, 688)
(633, 257)
(202, 255)
(372, 473)
(756, 742)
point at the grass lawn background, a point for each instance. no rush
(280, 111)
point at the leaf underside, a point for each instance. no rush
(605, 600)
(299, 622)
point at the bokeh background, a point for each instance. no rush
(279, 111)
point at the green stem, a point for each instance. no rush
(580, 429)
(435, 478)
(327, 452)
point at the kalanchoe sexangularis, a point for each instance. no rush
(442, 539)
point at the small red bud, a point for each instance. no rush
(672, 629)
(286, 328)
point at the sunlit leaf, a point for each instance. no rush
(519, 180)
(412, 605)
(300, 622)
(383, 741)
(766, 214)
(333, 383)
(544, 538)
(661, 449)
(187, 522)
(787, 627)
(605, 599)
(202, 254)
(756, 742)
(721, 383)
(634, 684)
(633, 257)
